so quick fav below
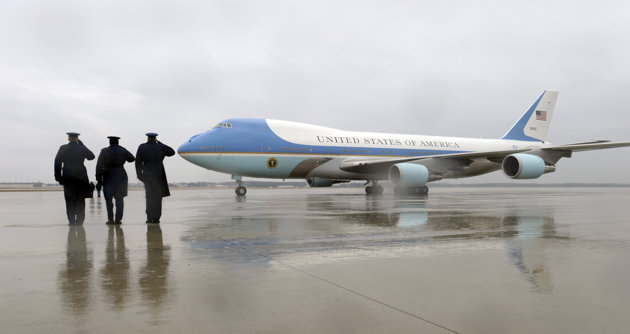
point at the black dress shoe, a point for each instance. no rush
(110, 222)
(118, 222)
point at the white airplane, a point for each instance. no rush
(266, 148)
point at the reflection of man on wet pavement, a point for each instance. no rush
(74, 277)
(154, 276)
(150, 170)
(71, 173)
(112, 175)
(115, 271)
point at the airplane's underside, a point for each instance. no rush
(325, 171)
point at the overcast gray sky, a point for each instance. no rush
(454, 68)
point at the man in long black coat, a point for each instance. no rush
(112, 175)
(71, 173)
(150, 170)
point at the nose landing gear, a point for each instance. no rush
(240, 191)
(240, 188)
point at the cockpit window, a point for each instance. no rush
(223, 125)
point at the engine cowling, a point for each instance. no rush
(316, 183)
(525, 166)
(408, 175)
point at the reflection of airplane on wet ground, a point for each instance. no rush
(356, 227)
(325, 156)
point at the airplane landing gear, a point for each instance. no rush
(240, 191)
(422, 190)
(240, 188)
(374, 189)
(413, 191)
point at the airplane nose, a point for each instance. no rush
(182, 148)
(188, 146)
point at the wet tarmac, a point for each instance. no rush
(464, 260)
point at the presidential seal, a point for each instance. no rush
(272, 163)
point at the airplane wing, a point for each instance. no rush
(594, 145)
(376, 164)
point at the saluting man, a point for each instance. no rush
(150, 171)
(112, 175)
(71, 173)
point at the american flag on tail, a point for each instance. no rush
(541, 115)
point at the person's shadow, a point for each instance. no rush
(154, 275)
(115, 271)
(74, 278)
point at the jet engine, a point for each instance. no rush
(525, 166)
(322, 182)
(408, 175)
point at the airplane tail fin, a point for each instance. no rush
(534, 124)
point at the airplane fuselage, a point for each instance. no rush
(284, 150)
(324, 156)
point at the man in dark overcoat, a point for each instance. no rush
(150, 171)
(71, 173)
(112, 175)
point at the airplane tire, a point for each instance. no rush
(377, 189)
(424, 190)
(369, 190)
(413, 191)
(240, 191)
(421, 190)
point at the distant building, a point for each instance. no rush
(17, 185)
(8, 186)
